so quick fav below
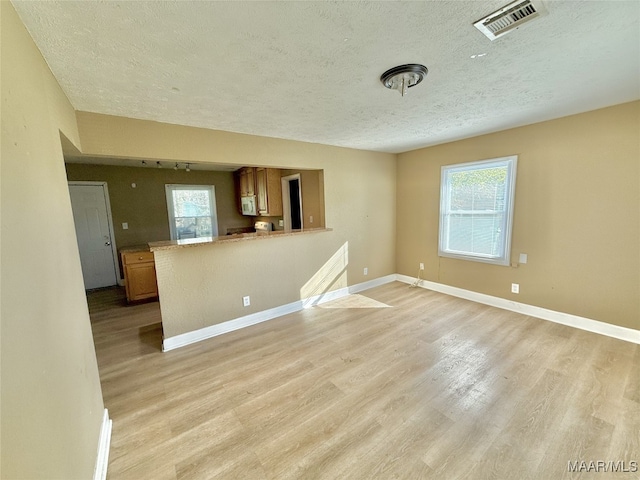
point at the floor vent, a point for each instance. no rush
(509, 17)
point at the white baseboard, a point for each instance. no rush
(595, 326)
(104, 443)
(343, 292)
(602, 328)
(376, 282)
(194, 336)
(188, 338)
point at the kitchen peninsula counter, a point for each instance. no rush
(238, 237)
(134, 249)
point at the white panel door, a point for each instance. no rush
(90, 215)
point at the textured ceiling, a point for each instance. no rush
(310, 71)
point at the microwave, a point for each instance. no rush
(248, 205)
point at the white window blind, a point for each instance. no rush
(476, 210)
(192, 211)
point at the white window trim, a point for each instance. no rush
(169, 196)
(505, 259)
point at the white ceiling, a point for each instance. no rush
(310, 71)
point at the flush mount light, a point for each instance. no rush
(403, 77)
(188, 169)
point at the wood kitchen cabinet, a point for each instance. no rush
(269, 192)
(139, 275)
(247, 182)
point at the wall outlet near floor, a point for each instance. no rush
(281, 223)
(515, 288)
(366, 271)
(421, 266)
(310, 218)
(246, 301)
(125, 226)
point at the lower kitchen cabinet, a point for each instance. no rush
(139, 275)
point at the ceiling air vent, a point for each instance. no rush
(509, 17)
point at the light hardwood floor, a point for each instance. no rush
(433, 387)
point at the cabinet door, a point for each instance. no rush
(268, 191)
(141, 281)
(261, 184)
(247, 182)
(274, 192)
(237, 183)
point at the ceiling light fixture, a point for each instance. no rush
(144, 164)
(188, 169)
(176, 167)
(403, 77)
(158, 165)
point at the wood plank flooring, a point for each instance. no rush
(434, 387)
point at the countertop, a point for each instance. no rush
(238, 237)
(134, 249)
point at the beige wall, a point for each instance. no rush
(577, 215)
(51, 399)
(144, 208)
(203, 286)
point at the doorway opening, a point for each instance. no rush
(292, 202)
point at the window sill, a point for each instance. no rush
(488, 260)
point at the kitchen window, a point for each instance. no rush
(192, 211)
(476, 210)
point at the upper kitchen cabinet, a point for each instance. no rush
(269, 192)
(247, 181)
(295, 195)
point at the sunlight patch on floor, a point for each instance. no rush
(354, 301)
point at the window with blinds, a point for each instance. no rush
(476, 210)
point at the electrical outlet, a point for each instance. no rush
(515, 288)
(366, 271)
(281, 223)
(246, 301)
(523, 258)
(125, 226)
(422, 266)
(310, 218)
